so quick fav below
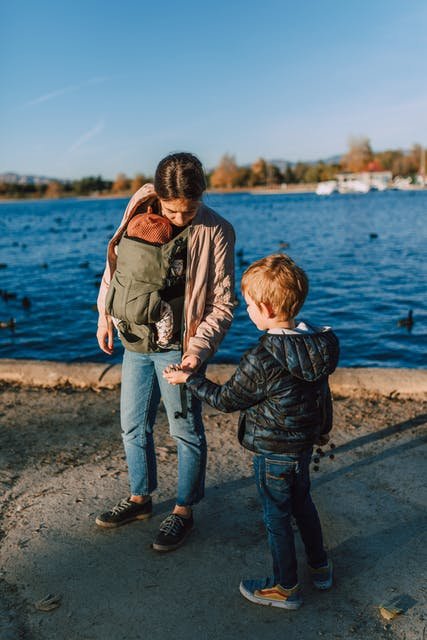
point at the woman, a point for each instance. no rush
(206, 314)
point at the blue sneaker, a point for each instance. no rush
(323, 577)
(264, 591)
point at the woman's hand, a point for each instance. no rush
(175, 375)
(190, 363)
(105, 337)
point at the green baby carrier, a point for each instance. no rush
(135, 293)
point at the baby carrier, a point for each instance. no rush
(135, 293)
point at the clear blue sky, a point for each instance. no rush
(98, 87)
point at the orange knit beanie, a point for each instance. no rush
(150, 227)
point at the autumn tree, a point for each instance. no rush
(401, 163)
(226, 174)
(327, 171)
(259, 172)
(243, 176)
(415, 160)
(121, 183)
(54, 190)
(138, 181)
(313, 173)
(359, 154)
(300, 170)
(391, 160)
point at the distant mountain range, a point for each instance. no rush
(17, 178)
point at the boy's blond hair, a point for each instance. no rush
(276, 281)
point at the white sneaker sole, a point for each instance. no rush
(284, 604)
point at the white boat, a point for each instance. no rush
(402, 183)
(379, 185)
(353, 186)
(326, 188)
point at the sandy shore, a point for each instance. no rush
(62, 463)
(357, 382)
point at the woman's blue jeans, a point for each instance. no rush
(142, 387)
(283, 483)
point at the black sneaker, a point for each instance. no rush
(123, 512)
(172, 533)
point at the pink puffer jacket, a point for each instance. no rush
(209, 292)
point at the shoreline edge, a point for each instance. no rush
(345, 381)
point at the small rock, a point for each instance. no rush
(49, 602)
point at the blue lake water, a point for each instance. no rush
(55, 250)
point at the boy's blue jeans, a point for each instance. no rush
(142, 387)
(283, 483)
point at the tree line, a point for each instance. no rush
(88, 186)
(359, 157)
(229, 175)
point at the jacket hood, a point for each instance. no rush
(308, 356)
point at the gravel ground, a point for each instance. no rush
(62, 463)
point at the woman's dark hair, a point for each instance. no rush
(180, 175)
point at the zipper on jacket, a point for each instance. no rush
(183, 321)
(183, 391)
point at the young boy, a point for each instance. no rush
(281, 387)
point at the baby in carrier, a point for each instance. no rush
(155, 229)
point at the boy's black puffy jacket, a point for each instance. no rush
(281, 387)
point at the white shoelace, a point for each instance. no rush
(120, 506)
(172, 524)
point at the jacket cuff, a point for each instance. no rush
(202, 354)
(194, 378)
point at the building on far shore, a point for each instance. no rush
(365, 180)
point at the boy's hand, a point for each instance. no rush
(175, 375)
(323, 439)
